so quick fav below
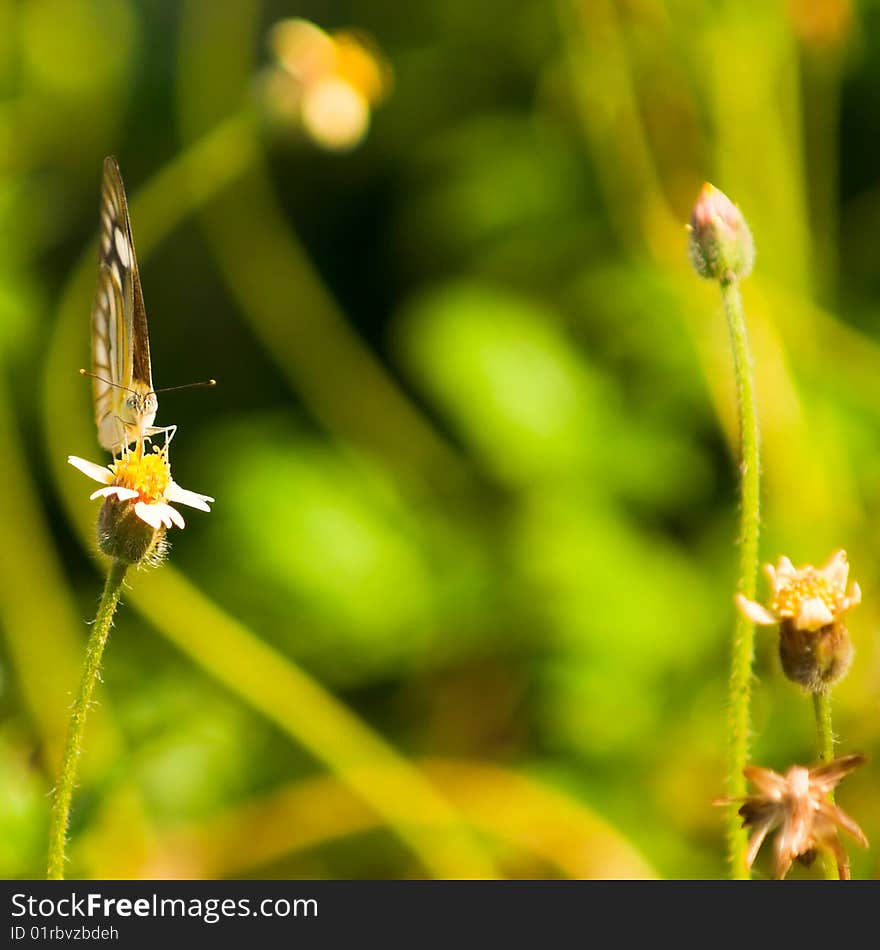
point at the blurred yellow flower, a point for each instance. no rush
(326, 83)
(822, 26)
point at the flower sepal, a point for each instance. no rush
(817, 659)
(124, 536)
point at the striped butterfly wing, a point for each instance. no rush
(120, 343)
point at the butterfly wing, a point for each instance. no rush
(108, 357)
(120, 342)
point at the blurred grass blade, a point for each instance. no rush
(519, 811)
(270, 683)
(608, 109)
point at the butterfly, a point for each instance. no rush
(122, 380)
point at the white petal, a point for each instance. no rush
(149, 514)
(836, 571)
(813, 614)
(175, 516)
(99, 473)
(162, 510)
(854, 598)
(123, 494)
(784, 573)
(755, 612)
(185, 497)
(168, 515)
(785, 567)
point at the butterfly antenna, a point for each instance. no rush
(85, 372)
(169, 389)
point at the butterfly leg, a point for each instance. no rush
(130, 434)
(167, 431)
(123, 439)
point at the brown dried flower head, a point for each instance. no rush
(809, 604)
(797, 805)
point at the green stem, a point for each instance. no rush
(824, 732)
(73, 746)
(744, 631)
(825, 743)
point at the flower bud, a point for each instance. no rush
(124, 536)
(720, 245)
(815, 659)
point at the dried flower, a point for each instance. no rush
(809, 605)
(721, 245)
(136, 509)
(797, 804)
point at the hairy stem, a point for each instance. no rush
(824, 732)
(825, 745)
(744, 631)
(91, 672)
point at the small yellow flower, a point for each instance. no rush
(797, 804)
(145, 476)
(809, 605)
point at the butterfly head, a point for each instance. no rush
(138, 411)
(140, 406)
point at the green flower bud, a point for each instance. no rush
(815, 659)
(720, 245)
(124, 536)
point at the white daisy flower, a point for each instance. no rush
(145, 477)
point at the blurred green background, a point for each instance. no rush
(464, 603)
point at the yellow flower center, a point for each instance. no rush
(807, 585)
(147, 474)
